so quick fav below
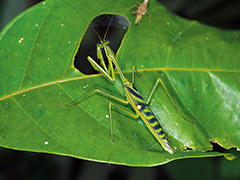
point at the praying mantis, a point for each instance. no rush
(133, 97)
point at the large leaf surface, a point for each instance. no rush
(198, 64)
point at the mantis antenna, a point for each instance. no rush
(91, 25)
(111, 20)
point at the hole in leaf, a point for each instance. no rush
(88, 45)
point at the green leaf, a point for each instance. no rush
(198, 64)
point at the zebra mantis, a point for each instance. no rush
(133, 97)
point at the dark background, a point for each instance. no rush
(19, 165)
(220, 13)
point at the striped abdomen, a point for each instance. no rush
(148, 117)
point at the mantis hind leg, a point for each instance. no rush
(110, 110)
(96, 91)
(111, 124)
(171, 100)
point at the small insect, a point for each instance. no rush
(141, 10)
(133, 97)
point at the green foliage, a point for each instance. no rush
(198, 64)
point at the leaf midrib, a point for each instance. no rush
(128, 71)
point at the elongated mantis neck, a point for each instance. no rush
(121, 74)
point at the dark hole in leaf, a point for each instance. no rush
(119, 27)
